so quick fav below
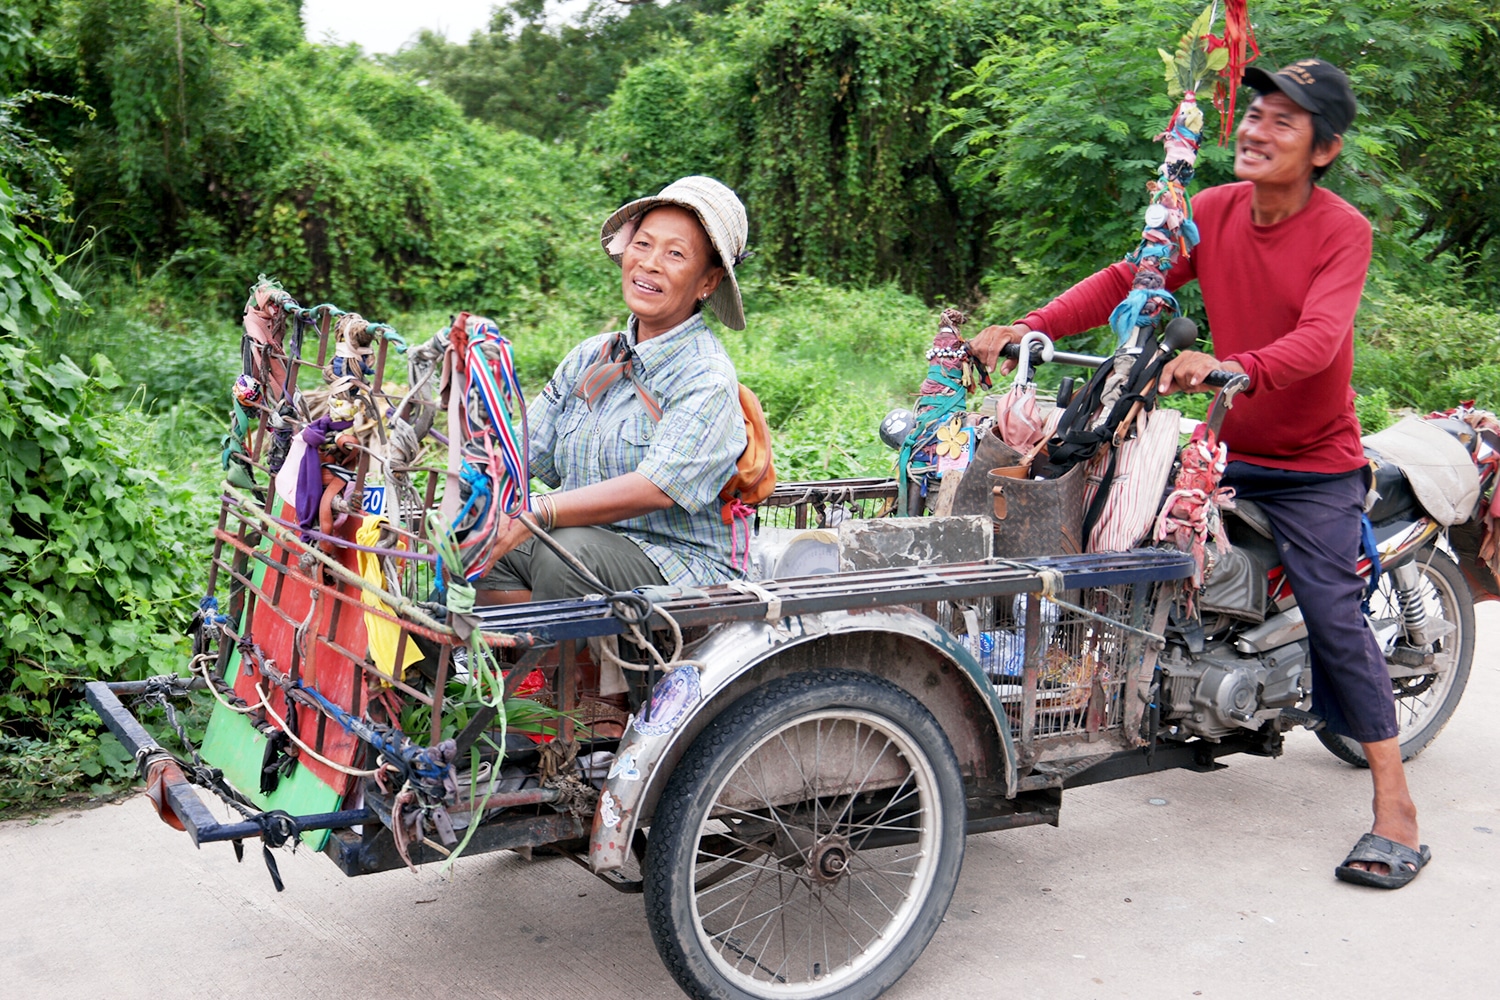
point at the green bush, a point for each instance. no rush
(828, 363)
(1426, 355)
(99, 551)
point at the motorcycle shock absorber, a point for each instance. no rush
(1408, 579)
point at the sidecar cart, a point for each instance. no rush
(785, 767)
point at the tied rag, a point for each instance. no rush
(616, 360)
(310, 475)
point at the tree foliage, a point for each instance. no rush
(30, 287)
(1056, 120)
(823, 117)
(546, 77)
(228, 147)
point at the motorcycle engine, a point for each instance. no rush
(1221, 691)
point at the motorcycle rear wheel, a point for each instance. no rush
(1424, 704)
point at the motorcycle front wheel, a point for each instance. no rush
(1425, 703)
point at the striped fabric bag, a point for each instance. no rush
(1141, 473)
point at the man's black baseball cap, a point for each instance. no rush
(1320, 87)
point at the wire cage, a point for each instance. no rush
(826, 503)
(1074, 680)
(1083, 659)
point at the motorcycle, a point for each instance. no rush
(1240, 662)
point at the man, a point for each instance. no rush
(1282, 265)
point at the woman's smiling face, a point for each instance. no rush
(667, 269)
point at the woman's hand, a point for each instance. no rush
(1186, 372)
(513, 534)
(990, 341)
(619, 499)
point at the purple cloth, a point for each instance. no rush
(310, 476)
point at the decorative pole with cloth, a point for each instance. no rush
(1169, 234)
(1190, 516)
(1103, 412)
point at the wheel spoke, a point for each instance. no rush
(786, 900)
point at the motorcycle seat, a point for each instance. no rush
(1250, 513)
(1394, 497)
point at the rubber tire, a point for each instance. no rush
(712, 759)
(1438, 563)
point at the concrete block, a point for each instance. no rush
(881, 543)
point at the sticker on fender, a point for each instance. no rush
(674, 697)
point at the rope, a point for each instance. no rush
(738, 515)
(772, 602)
(1051, 585)
(400, 604)
(632, 608)
(265, 704)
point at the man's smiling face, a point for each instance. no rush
(1274, 143)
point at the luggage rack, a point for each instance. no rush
(555, 621)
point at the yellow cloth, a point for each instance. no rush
(383, 635)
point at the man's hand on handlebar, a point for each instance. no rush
(1187, 372)
(990, 341)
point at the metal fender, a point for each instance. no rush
(911, 649)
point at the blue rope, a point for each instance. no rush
(209, 608)
(479, 487)
(413, 757)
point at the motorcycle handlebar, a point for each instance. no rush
(1220, 378)
(1013, 352)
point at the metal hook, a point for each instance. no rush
(1023, 363)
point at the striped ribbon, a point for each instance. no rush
(493, 456)
(502, 405)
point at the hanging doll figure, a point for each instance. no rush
(235, 446)
(352, 350)
(327, 470)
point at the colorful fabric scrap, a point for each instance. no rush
(952, 371)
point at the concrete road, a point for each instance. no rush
(1224, 891)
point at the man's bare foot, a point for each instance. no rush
(1395, 812)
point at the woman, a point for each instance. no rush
(639, 430)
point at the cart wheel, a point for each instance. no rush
(1424, 704)
(808, 843)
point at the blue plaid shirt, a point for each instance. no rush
(690, 454)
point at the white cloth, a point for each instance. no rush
(1442, 475)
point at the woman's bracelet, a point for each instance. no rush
(546, 511)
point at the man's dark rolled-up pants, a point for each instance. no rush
(1315, 520)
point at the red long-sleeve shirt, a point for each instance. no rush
(1281, 300)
